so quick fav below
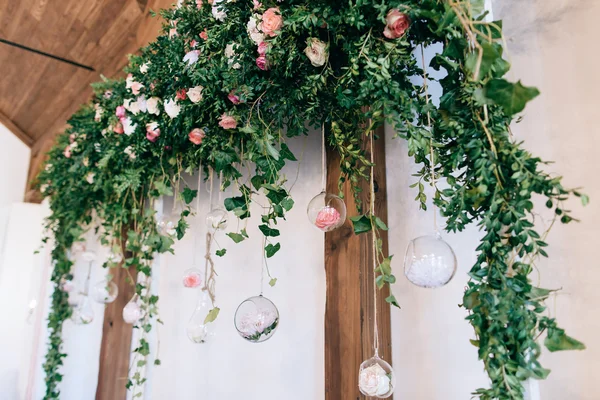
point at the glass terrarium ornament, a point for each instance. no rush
(83, 313)
(192, 278)
(217, 219)
(256, 319)
(376, 378)
(327, 211)
(132, 312)
(105, 292)
(88, 256)
(114, 258)
(167, 226)
(429, 262)
(199, 329)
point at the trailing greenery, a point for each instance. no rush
(226, 84)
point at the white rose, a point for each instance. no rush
(131, 106)
(195, 94)
(172, 108)
(86, 161)
(217, 11)
(142, 103)
(48, 167)
(373, 381)
(90, 177)
(97, 147)
(191, 57)
(128, 126)
(230, 54)
(253, 30)
(316, 51)
(144, 68)
(99, 112)
(152, 105)
(129, 151)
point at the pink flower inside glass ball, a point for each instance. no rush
(192, 278)
(327, 211)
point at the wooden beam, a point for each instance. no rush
(349, 270)
(18, 132)
(115, 349)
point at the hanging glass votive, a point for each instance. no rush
(198, 330)
(256, 319)
(132, 312)
(105, 292)
(192, 278)
(327, 211)
(217, 219)
(83, 313)
(376, 378)
(429, 262)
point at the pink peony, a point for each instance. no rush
(181, 94)
(263, 47)
(272, 21)
(152, 131)
(228, 122)
(262, 63)
(234, 98)
(136, 87)
(118, 128)
(397, 24)
(192, 280)
(121, 111)
(327, 219)
(204, 34)
(196, 136)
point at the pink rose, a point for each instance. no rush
(262, 63)
(263, 47)
(172, 33)
(136, 87)
(192, 280)
(108, 94)
(257, 4)
(152, 131)
(397, 24)
(204, 34)
(67, 151)
(121, 112)
(271, 21)
(327, 219)
(196, 136)
(181, 94)
(228, 122)
(194, 43)
(199, 4)
(234, 98)
(72, 137)
(118, 128)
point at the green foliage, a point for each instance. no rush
(98, 178)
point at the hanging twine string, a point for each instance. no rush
(86, 287)
(263, 265)
(198, 191)
(196, 231)
(220, 188)
(210, 189)
(375, 254)
(323, 161)
(209, 270)
(429, 125)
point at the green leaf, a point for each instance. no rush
(386, 266)
(287, 204)
(272, 282)
(361, 224)
(268, 231)
(380, 224)
(236, 237)
(188, 195)
(512, 97)
(163, 189)
(271, 250)
(157, 362)
(286, 153)
(392, 300)
(212, 315)
(557, 340)
(221, 253)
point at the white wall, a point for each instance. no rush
(14, 164)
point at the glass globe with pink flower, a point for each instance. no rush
(327, 211)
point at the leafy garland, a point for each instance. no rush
(228, 81)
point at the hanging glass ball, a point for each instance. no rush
(167, 226)
(376, 378)
(132, 312)
(83, 313)
(217, 219)
(67, 285)
(198, 330)
(105, 292)
(88, 256)
(429, 262)
(327, 211)
(114, 258)
(192, 278)
(256, 319)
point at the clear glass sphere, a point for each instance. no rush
(327, 211)
(217, 219)
(132, 312)
(88, 256)
(192, 278)
(376, 378)
(83, 313)
(114, 258)
(429, 262)
(198, 330)
(105, 292)
(167, 226)
(256, 319)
